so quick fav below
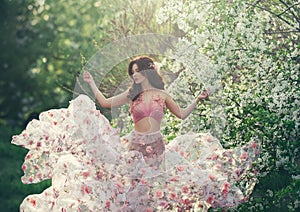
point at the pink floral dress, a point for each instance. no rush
(92, 169)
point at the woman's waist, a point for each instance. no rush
(147, 126)
(144, 137)
(147, 133)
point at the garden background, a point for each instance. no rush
(247, 50)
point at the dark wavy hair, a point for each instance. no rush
(147, 68)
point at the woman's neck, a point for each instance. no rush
(146, 85)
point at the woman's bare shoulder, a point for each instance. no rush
(163, 93)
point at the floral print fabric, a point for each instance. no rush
(93, 169)
(150, 145)
(155, 108)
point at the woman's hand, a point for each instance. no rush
(87, 77)
(203, 95)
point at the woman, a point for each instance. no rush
(93, 169)
(148, 101)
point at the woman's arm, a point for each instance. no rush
(183, 113)
(102, 100)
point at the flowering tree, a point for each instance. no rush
(247, 53)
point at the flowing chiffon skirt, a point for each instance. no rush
(94, 169)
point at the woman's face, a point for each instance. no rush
(137, 76)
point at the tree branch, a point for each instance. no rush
(289, 9)
(280, 32)
(265, 9)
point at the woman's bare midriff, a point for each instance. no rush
(147, 125)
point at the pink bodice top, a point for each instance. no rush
(154, 109)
